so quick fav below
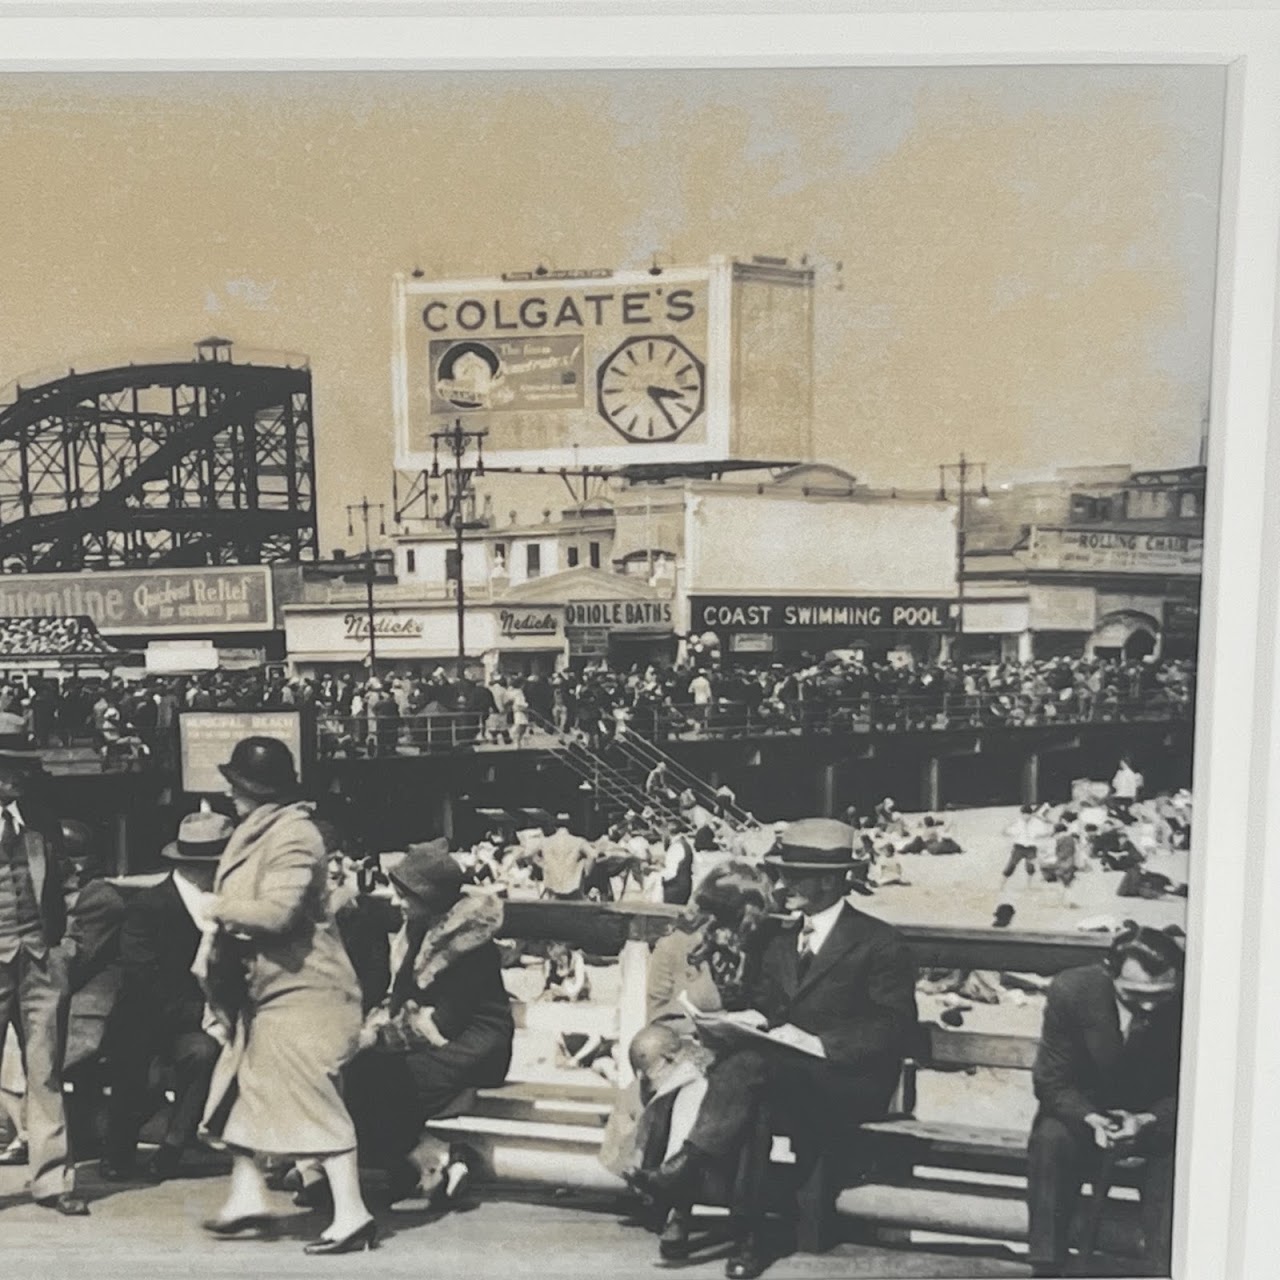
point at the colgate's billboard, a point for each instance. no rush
(608, 368)
(147, 601)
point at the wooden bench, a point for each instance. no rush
(950, 1178)
(955, 1178)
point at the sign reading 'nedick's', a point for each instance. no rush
(155, 601)
(770, 613)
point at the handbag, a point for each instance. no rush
(221, 969)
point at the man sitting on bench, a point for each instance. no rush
(1106, 1076)
(835, 1000)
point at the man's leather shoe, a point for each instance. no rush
(163, 1165)
(673, 1243)
(67, 1204)
(672, 1180)
(746, 1262)
(16, 1153)
(117, 1170)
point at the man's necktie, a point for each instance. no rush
(8, 828)
(805, 948)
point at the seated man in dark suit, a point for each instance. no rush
(93, 923)
(837, 996)
(1106, 1076)
(162, 1008)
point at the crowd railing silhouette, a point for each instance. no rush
(449, 731)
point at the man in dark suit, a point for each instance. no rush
(837, 997)
(36, 881)
(1106, 1076)
(162, 1009)
(93, 926)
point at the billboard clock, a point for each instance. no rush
(650, 389)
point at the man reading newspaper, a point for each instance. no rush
(819, 1052)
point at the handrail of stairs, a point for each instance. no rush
(648, 755)
(609, 782)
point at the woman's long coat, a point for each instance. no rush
(275, 1086)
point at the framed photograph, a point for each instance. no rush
(836, 450)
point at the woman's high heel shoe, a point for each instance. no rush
(263, 1226)
(365, 1237)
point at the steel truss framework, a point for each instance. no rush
(185, 463)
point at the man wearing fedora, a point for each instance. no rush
(836, 997)
(162, 1008)
(36, 882)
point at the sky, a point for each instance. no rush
(1026, 254)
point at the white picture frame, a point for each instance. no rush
(1229, 1183)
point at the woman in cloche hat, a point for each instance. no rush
(275, 1089)
(445, 1027)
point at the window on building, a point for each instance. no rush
(572, 555)
(411, 561)
(500, 551)
(593, 553)
(1189, 505)
(452, 564)
(1149, 504)
(532, 560)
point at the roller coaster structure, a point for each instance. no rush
(195, 461)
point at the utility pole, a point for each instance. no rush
(962, 470)
(460, 505)
(365, 508)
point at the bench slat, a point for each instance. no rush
(945, 1047)
(553, 1090)
(943, 1136)
(962, 1213)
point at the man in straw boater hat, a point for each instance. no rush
(36, 882)
(835, 997)
(162, 1007)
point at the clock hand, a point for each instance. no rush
(659, 396)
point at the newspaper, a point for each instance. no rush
(721, 1030)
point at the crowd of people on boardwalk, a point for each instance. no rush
(844, 691)
(422, 709)
(315, 1005)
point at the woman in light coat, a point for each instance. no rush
(275, 1088)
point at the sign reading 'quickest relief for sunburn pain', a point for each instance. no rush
(616, 368)
(147, 601)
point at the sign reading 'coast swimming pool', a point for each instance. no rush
(146, 601)
(783, 613)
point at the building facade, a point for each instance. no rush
(708, 562)
(1103, 561)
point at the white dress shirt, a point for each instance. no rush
(197, 902)
(819, 928)
(1126, 1019)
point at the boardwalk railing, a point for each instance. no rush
(628, 930)
(451, 731)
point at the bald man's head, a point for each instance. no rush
(653, 1047)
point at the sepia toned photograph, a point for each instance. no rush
(598, 668)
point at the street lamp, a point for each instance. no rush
(962, 471)
(365, 507)
(460, 505)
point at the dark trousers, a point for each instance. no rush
(1061, 1157)
(752, 1093)
(192, 1054)
(1021, 853)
